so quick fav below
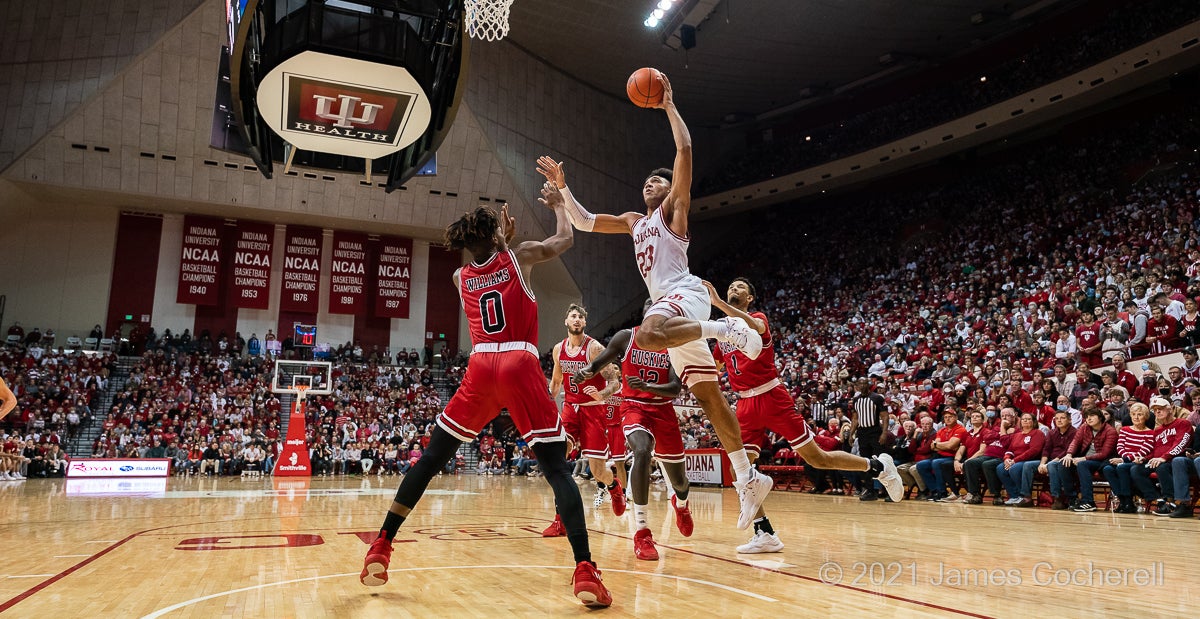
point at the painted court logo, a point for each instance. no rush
(343, 111)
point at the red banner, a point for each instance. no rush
(392, 267)
(348, 273)
(252, 264)
(301, 270)
(200, 261)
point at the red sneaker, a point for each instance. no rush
(683, 519)
(617, 494)
(375, 566)
(588, 587)
(643, 546)
(556, 528)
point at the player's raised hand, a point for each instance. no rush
(668, 98)
(552, 170)
(713, 297)
(550, 196)
(508, 225)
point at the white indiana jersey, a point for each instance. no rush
(662, 256)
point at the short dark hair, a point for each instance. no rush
(575, 307)
(753, 292)
(663, 172)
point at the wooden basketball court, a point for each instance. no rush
(290, 548)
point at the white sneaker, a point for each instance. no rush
(746, 339)
(601, 494)
(7, 476)
(890, 478)
(761, 542)
(1013, 501)
(751, 495)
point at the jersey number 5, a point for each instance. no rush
(645, 260)
(491, 310)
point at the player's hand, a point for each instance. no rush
(591, 391)
(668, 98)
(508, 225)
(552, 170)
(550, 196)
(713, 297)
(636, 382)
(584, 374)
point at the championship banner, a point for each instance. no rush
(200, 261)
(348, 273)
(392, 277)
(301, 270)
(252, 264)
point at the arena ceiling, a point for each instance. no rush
(755, 56)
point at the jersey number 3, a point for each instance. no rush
(491, 310)
(645, 260)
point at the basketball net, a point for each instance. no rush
(487, 20)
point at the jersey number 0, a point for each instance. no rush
(491, 310)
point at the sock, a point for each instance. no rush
(714, 329)
(601, 485)
(391, 524)
(639, 516)
(613, 486)
(763, 525)
(741, 465)
(680, 503)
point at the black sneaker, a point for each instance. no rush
(1164, 508)
(1184, 510)
(869, 495)
(1084, 506)
(1127, 507)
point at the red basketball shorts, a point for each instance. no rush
(773, 411)
(496, 380)
(660, 421)
(589, 429)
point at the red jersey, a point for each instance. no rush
(573, 393)
(746, 373)
(499, 306)
(653, 366)
(612, 410)
(1087, 335)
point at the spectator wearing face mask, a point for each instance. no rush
(1064, 404)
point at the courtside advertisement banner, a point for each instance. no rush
(293, 460)
(301, 287)
(393, 266)
(252, 264)
(343, 106)
(348, 273)
(200, 261)
(706, 466)
(104, 467)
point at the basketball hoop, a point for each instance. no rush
(487, 20)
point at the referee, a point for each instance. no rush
(868, 420)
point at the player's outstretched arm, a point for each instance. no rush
(679, 199)
(612, 374)
(8, 401)
(579, 216)
(616, 347)
(669, 389)
(719, 303)
(530, 253)
(556, 380)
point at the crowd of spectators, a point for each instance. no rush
(997, 291)
(1127, 26)
(56, 395)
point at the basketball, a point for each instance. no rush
(644, 88)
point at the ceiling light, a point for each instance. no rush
(657, 14)
(983, 78)
(665, 5)
(650, 22)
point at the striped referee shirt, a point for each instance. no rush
(868, 408)
(819, 412)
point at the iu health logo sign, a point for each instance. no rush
(343, 106)
(346, 112)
